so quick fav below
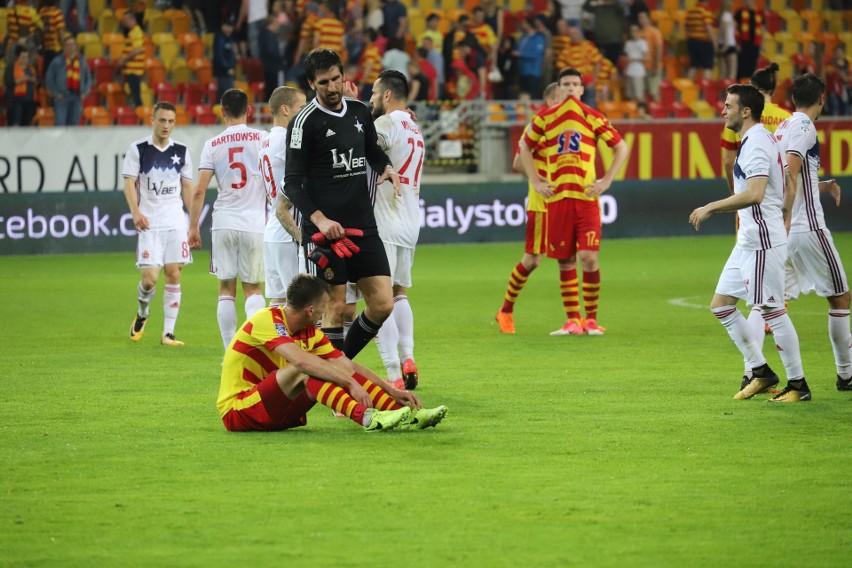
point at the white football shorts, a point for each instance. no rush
(281, 263)
(401, 260)
(158, 248)
(237, 254)
(756, 276)
(813, 265)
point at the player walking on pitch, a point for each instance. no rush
(536, 231)
(754, 271)
(329, 144)
(813, 263)
(282, 237)
(239, 213)
(157, 184)
(398, 218)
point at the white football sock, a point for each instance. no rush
(404, 318)
(758, 329)
(841, 341)
(740, 332)
(226, 314)
(254, 303)
(387, 340)
(144, 298)
(171, 307)
(786, 340)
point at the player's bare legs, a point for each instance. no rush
(171, 303)
(378, 295)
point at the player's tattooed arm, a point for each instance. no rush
(282, 213)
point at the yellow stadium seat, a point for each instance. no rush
(610, 109)
(671, 5)
(114, 44)
(158, 25)
(629, 109)
(792, 21)
(778, 5)
(4, 27)
(416, 22)
(812, 21)
(426, 6)
(180, 71)
(107, 22)
(169, 53)
(687, 89)
(703, 109)
(449, 5)
(96, 7)
(91, 44)
(517, 5)
(163, 37)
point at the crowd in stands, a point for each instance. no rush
(101, 62)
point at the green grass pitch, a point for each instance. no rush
(622, 450)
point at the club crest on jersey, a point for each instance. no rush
(281, 329)
(296, 138)
(347, 161)
(146, 255)
(568, 142)
(328, 274)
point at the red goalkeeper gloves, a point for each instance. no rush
(343, 247)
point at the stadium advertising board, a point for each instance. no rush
(50, 223)
(689, 149)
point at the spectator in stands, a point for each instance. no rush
(270, 57)
(81, 23)
(750, 30)
(224, 57)
(530, 54)
(469, 71)
(582, 55)
(804, 62)
(507, 65)
(699, 39)
(256, 12)
(431, 55)
(484, 34)
(418, 83)
(559, 41)
(432, 32)
(609, 27)
(53, 32)
(571, 11)
(838, 83)
(354, 24)
(370, 64)
(374, 17)
(395, 20)
(329, 31)
(68, 81)
(634, 8)
(656, 48)
(457, 35)
(726, 42)
(636, 51)
(540, 23)
(493, 16)
(24, 85)
(132, 60)
(395, 56)
(23, 24)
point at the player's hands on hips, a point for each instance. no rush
(194, 239)
(596, 188)
(542, 186)
(140, 222)
(390, 174)
(698, 216)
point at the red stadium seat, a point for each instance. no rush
(165, 92)
(124, 116)
(203, 69)
(202, 114)
(102, 70)
(193, 94)
(211, 89)
(709, 90)
(657, 110)
(259, 90)
(252, 69)
(680, 110)
(667, 93)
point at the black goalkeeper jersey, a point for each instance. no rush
(327, 157)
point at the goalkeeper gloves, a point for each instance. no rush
(343, 247)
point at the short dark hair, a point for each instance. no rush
(749, 97)
(320, 60)
(19, 49)
(569, 71)
(433, 16)
(766, 78)
(234, 103)
(395, 82)
(164, 105)
(305, 290)
(806, 90)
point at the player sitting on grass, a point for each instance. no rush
(279, 365)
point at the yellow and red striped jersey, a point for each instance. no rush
(697, 19)
(559, 43)
(485, 36)
(772, 116)
(370, 56)
(535, 200)
(21, 21)
(307, 31)
(567, 135)
(608, 70)
(328, 33)
(54, 25)
(251, 355)
(135, 39)
(581, 56)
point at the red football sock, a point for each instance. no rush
(381, 399)
(516, 283)
(337, 399)
(591, 292)
(570, 293)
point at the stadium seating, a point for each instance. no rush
(97, 116)
(45, 116)
(610, 109)
(657, 110)
(201, 114)
(192, 94)
(629, 109)
(101, 69)
(144, 113)
(703, 109)
(165, 92)
(203, 69)
(91, 45)
(112, 94)
(114, 44)
(180, 21)
(155, 71)
(181, 116)
(107, 22)
(124, 116)
(680, 110)
(686, 89)
(180, 72)
(792, 21)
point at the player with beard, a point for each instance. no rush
(329, 145)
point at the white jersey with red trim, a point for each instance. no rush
(233, 157)
(398, 218)
(273, 156)
(761, 225)
(798, 135)
(158, 173)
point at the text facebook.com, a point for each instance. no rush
(83, 225)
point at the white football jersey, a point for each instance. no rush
(233, 156)
(158, 173)
(398, 218)
(798, 135)
(273, 155)
(761, 225)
